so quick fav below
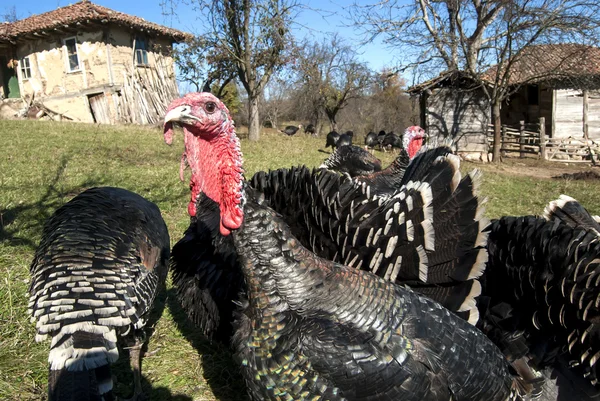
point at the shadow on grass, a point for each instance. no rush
(122, 368)
(30, 215)
(34, 214)
(220, 370)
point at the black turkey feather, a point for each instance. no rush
(206, 273)
(94, 278)
(352, 160)
(541, 294)
(428, 233)
(314, 328)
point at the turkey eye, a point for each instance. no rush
(210, 107)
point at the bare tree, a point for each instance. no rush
(474, 35)
(331, 74)
(9, 14)
(254, 36)
(202, 64)
(276, 100)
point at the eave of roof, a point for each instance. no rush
(79, 15)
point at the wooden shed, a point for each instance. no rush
(559, 82)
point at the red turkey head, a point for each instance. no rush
(213, 153)
(413, 140)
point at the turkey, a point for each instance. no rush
(352, 160)
(549, 317)
(332, 139)
(101, 261)
(312, 328)
(380, 137)
(370, 140)
(391, 141)
(389, 179)
(310, 129)
(291, 130)
(345, 139)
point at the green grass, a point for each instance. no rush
(44, 164)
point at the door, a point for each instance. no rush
(99, 108)
(9, 80)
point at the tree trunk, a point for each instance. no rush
(332, 122)
(497, 131)
(253, 120)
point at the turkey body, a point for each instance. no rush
(352, 160)
(291, 130)
(428, 233)
(345, 139)
(310, 129)
(313, 329)
(391, 141)
(551, 265)
(332, 139)
(94, 278)
(206, 273)
(371, 140)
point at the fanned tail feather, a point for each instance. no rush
(552, 270)
(87, 385)
(427, 233)
(572, 213)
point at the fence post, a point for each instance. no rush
(521, 139)
(503, 142)
(543, 137)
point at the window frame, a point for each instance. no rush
(67, 55)
(143, 51)
(25, 70)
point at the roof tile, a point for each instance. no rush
(82, 12)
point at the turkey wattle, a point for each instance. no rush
(412, 140)
(94, 278)
(314, 328)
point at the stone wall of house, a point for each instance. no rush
(105, 57)
(461, 115)
(568, 120)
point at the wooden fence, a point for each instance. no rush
(532, 139)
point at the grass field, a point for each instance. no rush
(44, 164)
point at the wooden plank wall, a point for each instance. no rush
(462, 115)
(569, 114)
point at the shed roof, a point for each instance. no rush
(555, 63)
(81, 13)
(561, 66)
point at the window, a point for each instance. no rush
(72, 57)
(141, 50)
(25, 68)
(533, 95)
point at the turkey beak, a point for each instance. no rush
(182, 114)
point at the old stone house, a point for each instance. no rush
(88, 63)
(558, 82)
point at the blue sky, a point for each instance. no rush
(317, 24)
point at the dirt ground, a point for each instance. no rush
(541, 169)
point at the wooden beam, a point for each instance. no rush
(586, 106)
(543, 138)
